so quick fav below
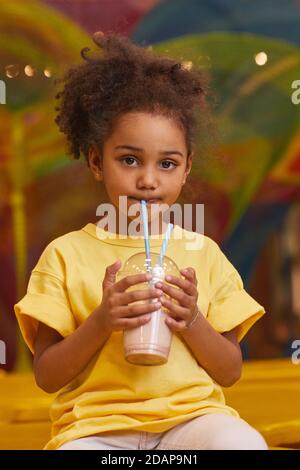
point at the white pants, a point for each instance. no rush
(207, 432)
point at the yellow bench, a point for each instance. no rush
(267, 396)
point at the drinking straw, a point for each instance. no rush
(165, 244)
(146, 235)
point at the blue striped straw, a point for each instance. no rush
(146, 235)
(165, 244)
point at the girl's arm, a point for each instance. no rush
(219, 354)
(57, 361)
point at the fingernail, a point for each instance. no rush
(158, 284)
(168, 278)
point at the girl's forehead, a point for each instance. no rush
(133, 116)
(145, 130)
(136, 123)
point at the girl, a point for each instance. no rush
(132, 114)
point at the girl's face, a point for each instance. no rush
(145, 157)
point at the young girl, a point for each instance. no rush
(132, 114)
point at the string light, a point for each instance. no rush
(29, 71)
(261, 58)
(11, 71)
(47, 73)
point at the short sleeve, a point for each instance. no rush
(46, 300)
(230, 305)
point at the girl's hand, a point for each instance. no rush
(117, 306)
(184, 310)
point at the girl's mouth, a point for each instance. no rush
(148, 201)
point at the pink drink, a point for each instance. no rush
(149, 344)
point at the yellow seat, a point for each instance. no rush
(267, 397)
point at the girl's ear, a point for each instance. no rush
(188, 167)
(95, 163)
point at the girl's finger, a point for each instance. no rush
(127, 297)
(175, 311)
(188, 287)
(127, 324)
(190, 274)
(131, 280)
(178, 295)
(175, 325)
(133, 310)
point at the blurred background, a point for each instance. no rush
(250, 184)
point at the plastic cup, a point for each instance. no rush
(148, 344)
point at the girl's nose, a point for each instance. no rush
(148, 180)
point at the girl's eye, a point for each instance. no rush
(168, 161)
(130, 160)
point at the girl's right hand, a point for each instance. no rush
(117, 306)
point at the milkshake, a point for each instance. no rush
(150, 344)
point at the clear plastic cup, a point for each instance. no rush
(148, 344)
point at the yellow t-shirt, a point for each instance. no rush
(111, 394)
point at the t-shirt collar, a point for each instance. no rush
(123, 240)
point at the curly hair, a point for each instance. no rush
(125, 77)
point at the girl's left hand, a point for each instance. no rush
(180, 314)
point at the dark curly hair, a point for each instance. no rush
(123, 78)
